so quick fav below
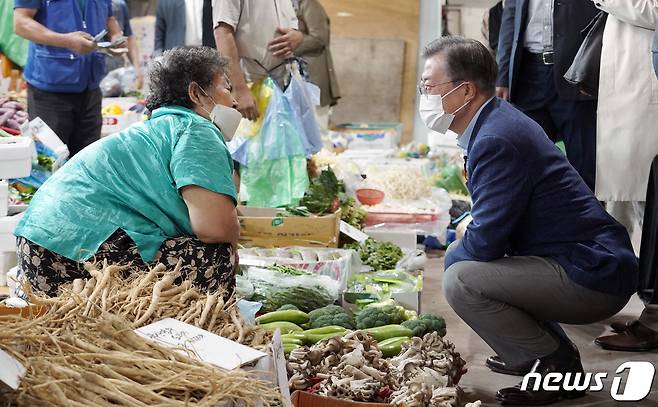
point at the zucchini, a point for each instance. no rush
(293, 335)
(381, 333)
(393, 346)
(289, 347)
(291, 341)
(290, 315)
(285, 327)
(312, 339)
(325, 330)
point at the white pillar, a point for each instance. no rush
(430, 29)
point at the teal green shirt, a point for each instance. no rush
(130, 181)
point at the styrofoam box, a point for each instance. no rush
(116, 123)
(7, 226)
(16, 157)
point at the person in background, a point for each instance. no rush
(315, 50)
(63, 70)
(183, 23)
(491, 25)
(243, 31)
(541, 250)
(626, 145)
(159, 191)
(122, 15)
(627, 83)
(537, 43)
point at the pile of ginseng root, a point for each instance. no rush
(83, 350)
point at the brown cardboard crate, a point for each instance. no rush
(306, 399)
(31, 311)
(260, 227)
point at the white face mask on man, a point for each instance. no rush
(225, 118)
(432, 112)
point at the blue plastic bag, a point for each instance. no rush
(303, 96)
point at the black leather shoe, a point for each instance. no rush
(635, 338)
(565, 360)
(496, 364)
(620, 326)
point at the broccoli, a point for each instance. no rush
(426, 323)
(373, 317)
(396, 312)
(330, 315)
(417, 326)
(288, 307)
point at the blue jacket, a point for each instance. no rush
(529, 201)
(170, 25)
(56, 69)
(569, 18)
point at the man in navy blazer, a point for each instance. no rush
(540, 250)
(537, 44)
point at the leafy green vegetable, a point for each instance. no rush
(45, 161)
(378, 255)
(331, 315)
(288, 270)
(288, 307)
(352, 214)
(305, 298)
(323, 193)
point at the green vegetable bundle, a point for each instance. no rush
(378, 255)
(304, 298)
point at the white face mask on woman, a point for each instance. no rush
(432, 112)
(225, 118)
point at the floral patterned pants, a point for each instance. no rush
(209, 266)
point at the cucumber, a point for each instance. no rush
(285, 327)
(325, 330)
(290, 315)
(381, 333)
(392, 347)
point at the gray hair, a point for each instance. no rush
(467, 60)
(172, 73)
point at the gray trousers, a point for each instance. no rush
(515, 304)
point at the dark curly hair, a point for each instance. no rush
(172, 74)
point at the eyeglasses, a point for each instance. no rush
(423, 88)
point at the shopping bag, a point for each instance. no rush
(303, 96)
(585, 69)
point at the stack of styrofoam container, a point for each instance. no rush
(15, 162)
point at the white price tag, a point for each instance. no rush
(206, 346)
(353, 232)
(280, 368)
(11, 370)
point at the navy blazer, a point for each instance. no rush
(569, 19)
(529, 201)
(170, 25)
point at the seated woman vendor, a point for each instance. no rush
(159, 191)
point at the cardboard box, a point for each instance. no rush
(306, 399)
(31, 311)
(369, 136)
(261, 227)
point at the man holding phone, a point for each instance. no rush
(63, 69)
